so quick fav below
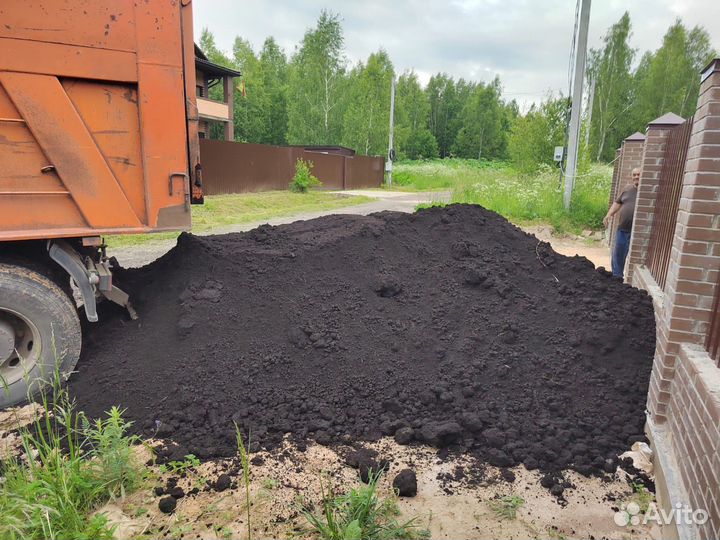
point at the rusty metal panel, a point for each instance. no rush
(20, 155)
(98, 91)
(111, 115)
(105, 25)
(65, 215)
(161, 100)
(67, 60)
(69, 147)
(668, 201)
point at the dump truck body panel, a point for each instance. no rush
(98, 120)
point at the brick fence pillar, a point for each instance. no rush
(617, 165)
(630, 156)
(652, 160)
(695, 258)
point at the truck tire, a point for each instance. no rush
(39, 332)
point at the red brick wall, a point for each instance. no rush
(632, 157)
(684, 396)
(693, 419)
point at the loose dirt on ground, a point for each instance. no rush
(449, 327)
(589, 245)
(285, 480)
(456, 496)
(11, 420)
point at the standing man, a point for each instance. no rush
(625, 205)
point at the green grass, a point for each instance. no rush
(644, 497)
(440, 174)
(361, 513)
(506, 507)
(76, 466)
(244, 460)
(523, 199)
(225, 210)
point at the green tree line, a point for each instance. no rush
(626, 99)
(315, 97)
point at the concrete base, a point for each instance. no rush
(669, 488)
(643, 279)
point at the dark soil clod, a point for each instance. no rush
(450, 327)
(222, 483)
(405, 482)
(404, 435)
(177, 492)
(167, 505)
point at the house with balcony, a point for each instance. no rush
(210, 76)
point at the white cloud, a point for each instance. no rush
(525, 42)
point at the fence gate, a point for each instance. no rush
(668, 201)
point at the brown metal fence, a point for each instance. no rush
(231, 167)
(667, 201)
(712, 343)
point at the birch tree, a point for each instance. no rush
(315, 94)
(610, 68)
(367, 116)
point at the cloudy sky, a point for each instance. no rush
(525, 42)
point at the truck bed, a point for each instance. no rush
(98, 120)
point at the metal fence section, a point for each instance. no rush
(232, 167)
(667, 201)
(712, 343)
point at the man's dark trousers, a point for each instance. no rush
(622, 244)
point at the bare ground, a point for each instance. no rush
(284, 480)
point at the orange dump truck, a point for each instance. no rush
(98, 135)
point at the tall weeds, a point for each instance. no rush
(70, 466)
(518, 197)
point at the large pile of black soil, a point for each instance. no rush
(449, 327)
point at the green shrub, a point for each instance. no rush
(304, 178)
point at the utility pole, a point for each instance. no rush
(591, 99)
(574, 132)
(391, 151)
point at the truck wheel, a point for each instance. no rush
(39, 332)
